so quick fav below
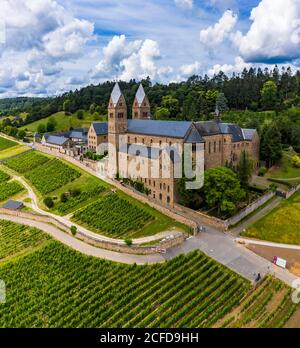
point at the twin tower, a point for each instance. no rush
(117, 109)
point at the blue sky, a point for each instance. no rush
(51, 46)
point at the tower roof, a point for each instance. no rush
(116, 94)
(140, 95)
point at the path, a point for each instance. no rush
(269, 244)
(256, 217)
(68, 223)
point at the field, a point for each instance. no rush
(6, 143)
(12, 151)
(63, 122)
(8, 188)
(107, 216)
(16, 239)
(270, 305)
(26, 162)
(281, 225)
(54, 286)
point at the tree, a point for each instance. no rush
(67, 106)
(74, 230)
(245, 168)
(271, 147)
(222, 189)
(48, 201)
(172, 104)
(188, 198)
(21, 134)
(41, 128)
(51, 125)
(162, 113)
(80, 114)
(269, 95)
(221, 102)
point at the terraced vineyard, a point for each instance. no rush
(54, 286)
(270, 305)
(6, 143)
(16, 239)
(51, 175)
(114, 216)
(26, 162)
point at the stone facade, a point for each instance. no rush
(94, 139)
(221, 144)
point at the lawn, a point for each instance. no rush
(6, 143)
(52, 286)
(285, 170)
(64, 123)
(12, 151)
(281, 225)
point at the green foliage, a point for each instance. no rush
(187, 291)
(221, 102)
(48, 201)
(51, 176)
(113, 216)
(162, 113)
(222, 189)
(51, 125)
(26, 162)
(74, 230)
(6, 143)
(16, 239)
(296, 161)
(80, 114)
(66, 106)
(187, 198)
(262, 171)
(9, 189)
(21, 134)
(269, 95)
(41, 129)
(271, 147)
(245, 168)
(128, 242)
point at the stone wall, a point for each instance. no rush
(177, 239)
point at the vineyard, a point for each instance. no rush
(4, 177)
(9, 189)
(26, 162)
(114, 216)
(16, 239)
(270, 305)
(87, 193)
(51, 175)
(6, 143)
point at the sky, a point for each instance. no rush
(48, 47)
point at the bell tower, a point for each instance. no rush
(141, 109)
(117, 128)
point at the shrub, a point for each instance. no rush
(128, 242)
(296, 161)
(63, 198)
(262, 171)
(74, 230)
(48, 201)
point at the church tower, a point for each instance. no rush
(117, 127)
(141, 109)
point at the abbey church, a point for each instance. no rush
(140, 139)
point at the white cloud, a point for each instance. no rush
(190, 69)
(40, 35)
(185, 4)
(217, 33)
(274, 35)
(238, 66)
(127, 60)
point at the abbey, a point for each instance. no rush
(140, 139)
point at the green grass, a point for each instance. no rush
(65, 122)
(16, 239)
(286, 170)
(6, 143)
(12, 151)
(281, 225)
